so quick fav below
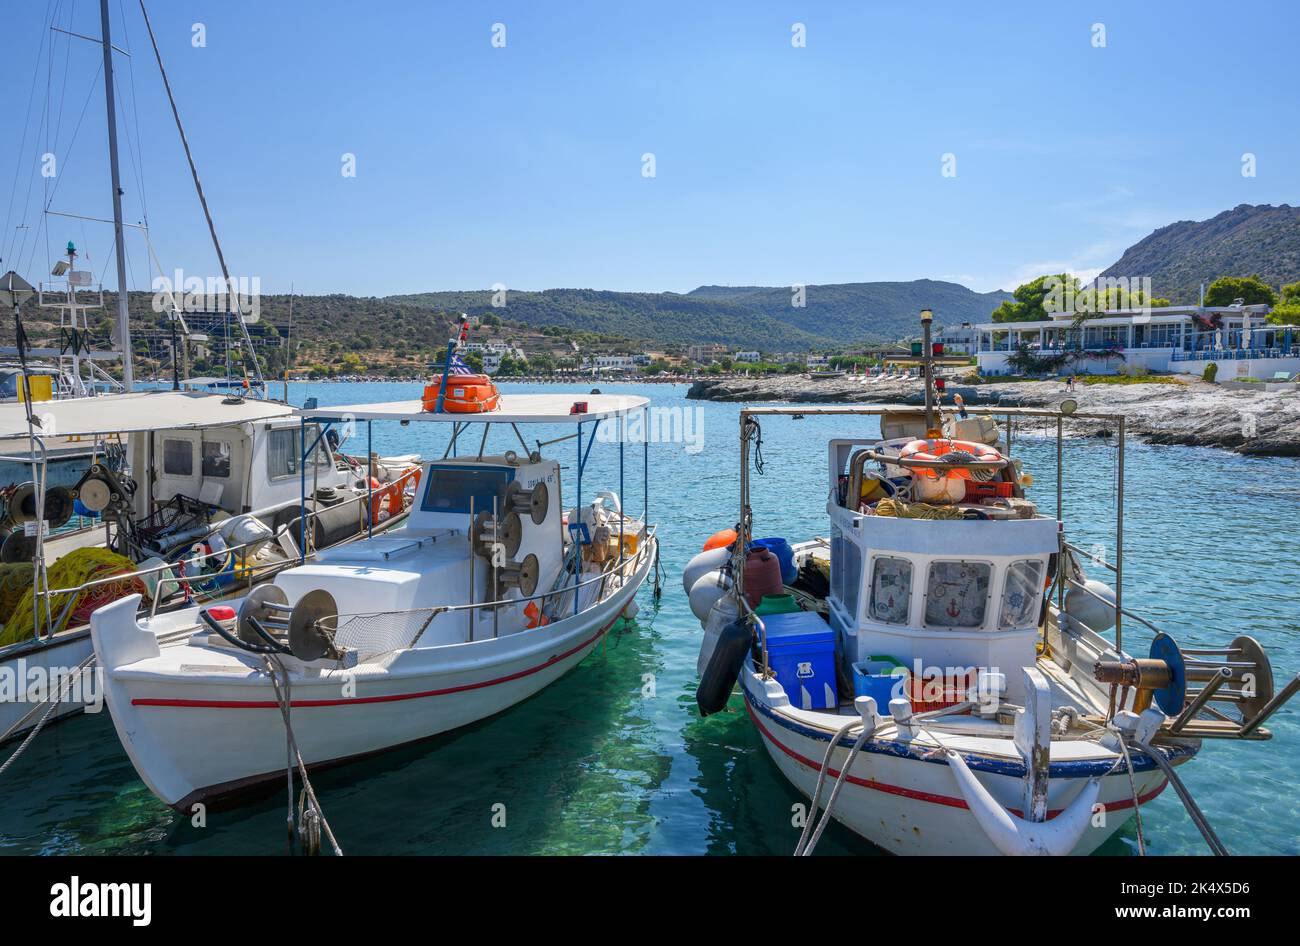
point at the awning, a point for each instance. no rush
(513, 409)
(129, 413)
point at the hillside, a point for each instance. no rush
(744, 316)
(846, 313)
(1248, 240)
(664, 318)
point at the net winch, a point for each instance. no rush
(1186, 690)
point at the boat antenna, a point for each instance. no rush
(247, 345)
(927, 375)
(123, 312)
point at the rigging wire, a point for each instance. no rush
(22, 146)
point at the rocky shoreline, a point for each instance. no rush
(1187, 413)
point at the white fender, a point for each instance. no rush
(707, 590)
(704, 562)
(1015, 836)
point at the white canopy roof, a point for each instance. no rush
(128, 413)
(513, 409)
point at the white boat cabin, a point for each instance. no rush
(238, 468)
(951, 593)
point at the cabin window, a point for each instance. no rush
(1023, 594)
(178, 458)
(216, 459)
(851, 568)
(957, 594)
(284, 450)
(891, 590)
(456, 488)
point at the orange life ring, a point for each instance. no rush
(933, 450)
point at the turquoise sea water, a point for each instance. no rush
(614, 758)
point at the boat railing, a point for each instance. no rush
(376, 632)
(248, 573)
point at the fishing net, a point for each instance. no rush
(75, 607)
(373, 634)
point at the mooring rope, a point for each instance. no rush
(53, 700)
(283, 697)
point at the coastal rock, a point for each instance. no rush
(1180, 412)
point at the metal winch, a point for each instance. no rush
(1237, 677)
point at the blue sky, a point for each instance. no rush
(774, 164)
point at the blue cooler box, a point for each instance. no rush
(801, 651)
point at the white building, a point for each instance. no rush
(1177, 339)
(611, 363)
(750, 357)
(958, 339)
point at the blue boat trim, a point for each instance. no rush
(1059, 770)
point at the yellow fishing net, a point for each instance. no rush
(69, 609)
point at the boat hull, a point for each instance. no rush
(907, 803)
(199, 739)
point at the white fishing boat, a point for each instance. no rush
(940, 676)
(206, 501)
(485, 595)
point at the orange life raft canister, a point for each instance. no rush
(466, 394)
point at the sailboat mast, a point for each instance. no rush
(123, 323)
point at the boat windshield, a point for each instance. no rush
(451, 488)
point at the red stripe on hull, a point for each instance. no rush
(933, 799)
(392, 698)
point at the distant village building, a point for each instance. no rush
(1178, 339)
(958, 339)
(750, 357)
(610, 363)
(705, 354)
(818, 362)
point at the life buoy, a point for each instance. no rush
(935, 450)
(394, 492)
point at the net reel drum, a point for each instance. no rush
(1238, 675)
(308, 627)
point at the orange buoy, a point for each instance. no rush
(720, 539)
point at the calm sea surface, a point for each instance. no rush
(595, 764)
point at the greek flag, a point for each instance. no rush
(458, 365)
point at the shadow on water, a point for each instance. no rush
(750, 803)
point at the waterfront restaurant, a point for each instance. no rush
(1171, 339)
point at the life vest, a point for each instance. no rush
(465, 394)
